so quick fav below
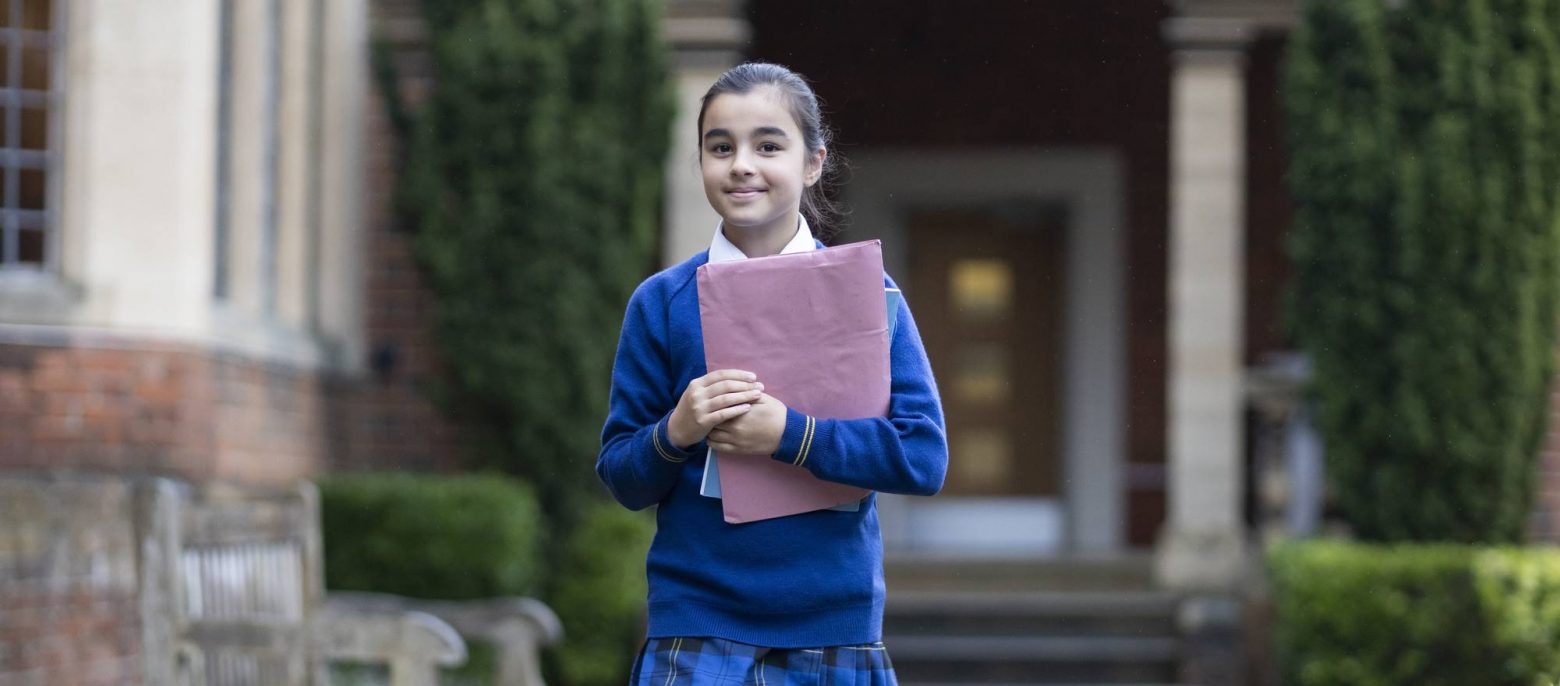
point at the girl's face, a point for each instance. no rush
(755, 162)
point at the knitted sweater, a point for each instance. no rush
(807, 580)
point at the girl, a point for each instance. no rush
(796, 599)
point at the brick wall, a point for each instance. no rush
(1545, 525)
(161, 409)
(392, 423)
(69, 612)
(82, 416)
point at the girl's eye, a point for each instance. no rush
(769, 147)
(720, 148)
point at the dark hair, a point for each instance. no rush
(821, 213)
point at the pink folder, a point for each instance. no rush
(812, 326)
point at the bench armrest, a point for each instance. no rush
(517, 627)
(414, 644)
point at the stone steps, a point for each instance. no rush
(1007, 623)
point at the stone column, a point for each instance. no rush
(1203, 546)
(707, 37)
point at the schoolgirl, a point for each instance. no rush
(796, 599)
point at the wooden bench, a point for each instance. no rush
(232, 594)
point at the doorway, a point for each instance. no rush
(1070, 201)
(989, 296)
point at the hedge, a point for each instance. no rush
(1352, 614)
(451, 537)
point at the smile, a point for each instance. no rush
(744, 193)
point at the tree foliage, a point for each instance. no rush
(1425, 144)
(532, 182)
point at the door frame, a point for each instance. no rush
(885, 184)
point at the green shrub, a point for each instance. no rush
(1425, 154)
(1416, 615)
(424, 536)
(1522, 592)
(599, 594)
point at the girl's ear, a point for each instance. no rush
(814, 168)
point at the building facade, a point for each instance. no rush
(181, 287)
(201, 278)
(1086, 207)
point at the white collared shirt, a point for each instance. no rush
(723, 250)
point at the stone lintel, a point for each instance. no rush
(1279, 15)
(1194, 36)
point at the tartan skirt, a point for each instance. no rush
(700, 661)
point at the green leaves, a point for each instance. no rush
(600, 594)
(446, 537)
(532, 183)
(1426, 615)
(1425, 150)
(532, 186)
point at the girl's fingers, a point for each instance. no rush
(727, 387)
(709, 409)
(733, 411)
(715, 418)
(730, 399)
(727, 375)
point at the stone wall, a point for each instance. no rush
(80, 421)
(69, 609)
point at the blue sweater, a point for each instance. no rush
(807, 580)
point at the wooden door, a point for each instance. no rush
(987, 292)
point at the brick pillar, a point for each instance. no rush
(1544, 526)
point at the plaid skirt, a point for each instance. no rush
(700, 661)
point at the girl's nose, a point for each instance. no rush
(741, 165)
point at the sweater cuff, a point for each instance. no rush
(797, 440)
(663, 445)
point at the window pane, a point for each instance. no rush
(982, 373)
(5, 12)
(35, 68)
(32, 190)
(35, 124)
(35, 14)
(31, 246)
(980, 459)
(982, 289)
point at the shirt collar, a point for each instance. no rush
(723, 250)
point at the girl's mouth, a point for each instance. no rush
(744, 193)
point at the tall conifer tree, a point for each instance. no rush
(533, 185)
(1425, 165)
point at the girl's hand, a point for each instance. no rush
(709, 400)
(754, 432)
